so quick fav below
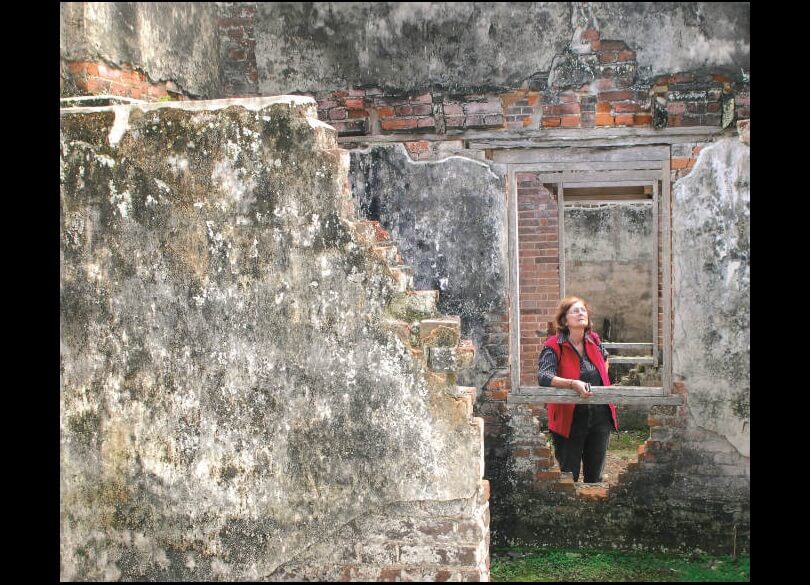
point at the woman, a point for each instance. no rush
(575, 359)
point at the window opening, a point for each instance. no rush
(609, 185)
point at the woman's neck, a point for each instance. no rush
(576, 335)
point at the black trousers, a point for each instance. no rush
(586, 446)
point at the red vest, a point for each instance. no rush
(560, 416)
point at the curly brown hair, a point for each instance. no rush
(562, 310)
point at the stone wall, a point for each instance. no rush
(240, 398)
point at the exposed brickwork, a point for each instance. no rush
(238, 74)
(405, 114)
(476, 111)
(433, 540)
(613, 93)
(98, 78)
(613, 97)
(692, 100)
(425, 541)
(522, 109)
(348, 111)
(684, 157)
(539, 265)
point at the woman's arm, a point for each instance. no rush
(547, 374)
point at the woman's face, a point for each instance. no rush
(576, 316)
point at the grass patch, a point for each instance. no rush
(625, 443)
(527, 564)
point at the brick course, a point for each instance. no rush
(98, 78)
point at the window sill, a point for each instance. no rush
(601, 395)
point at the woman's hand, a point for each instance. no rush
(581, 388)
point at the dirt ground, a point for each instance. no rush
(614, 465)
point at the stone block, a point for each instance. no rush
(413, 306)
(443, 332)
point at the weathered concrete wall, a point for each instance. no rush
(412, 46)
(608, 261)
(449, 220)
(175, 41)
(711, 290)
(232, 397)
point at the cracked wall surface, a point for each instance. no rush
(412, 46)
(230, 394)
(711, 290)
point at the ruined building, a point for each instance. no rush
(308, 254)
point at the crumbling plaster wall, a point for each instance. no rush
(176, 41)
(449, 220)
(231, 397)
(412, 46)
(711, 290)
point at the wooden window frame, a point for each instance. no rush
(627, 165)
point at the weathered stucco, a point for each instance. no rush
(230, 394)
(469, 46)
(175, 41)
(608, 261)
(448, 218)
(676, 36)
(711, 290)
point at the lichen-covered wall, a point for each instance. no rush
(608, 261)
(449, 220)
(411, 46)
(232, 398)
(711, 290)
(175, 41)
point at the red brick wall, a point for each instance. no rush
(539, 267)
(538, 243)
(692, 100)
(98, 78)
(615, 97)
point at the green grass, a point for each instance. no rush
(528, 564)
(627, 442)
(623, 443)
